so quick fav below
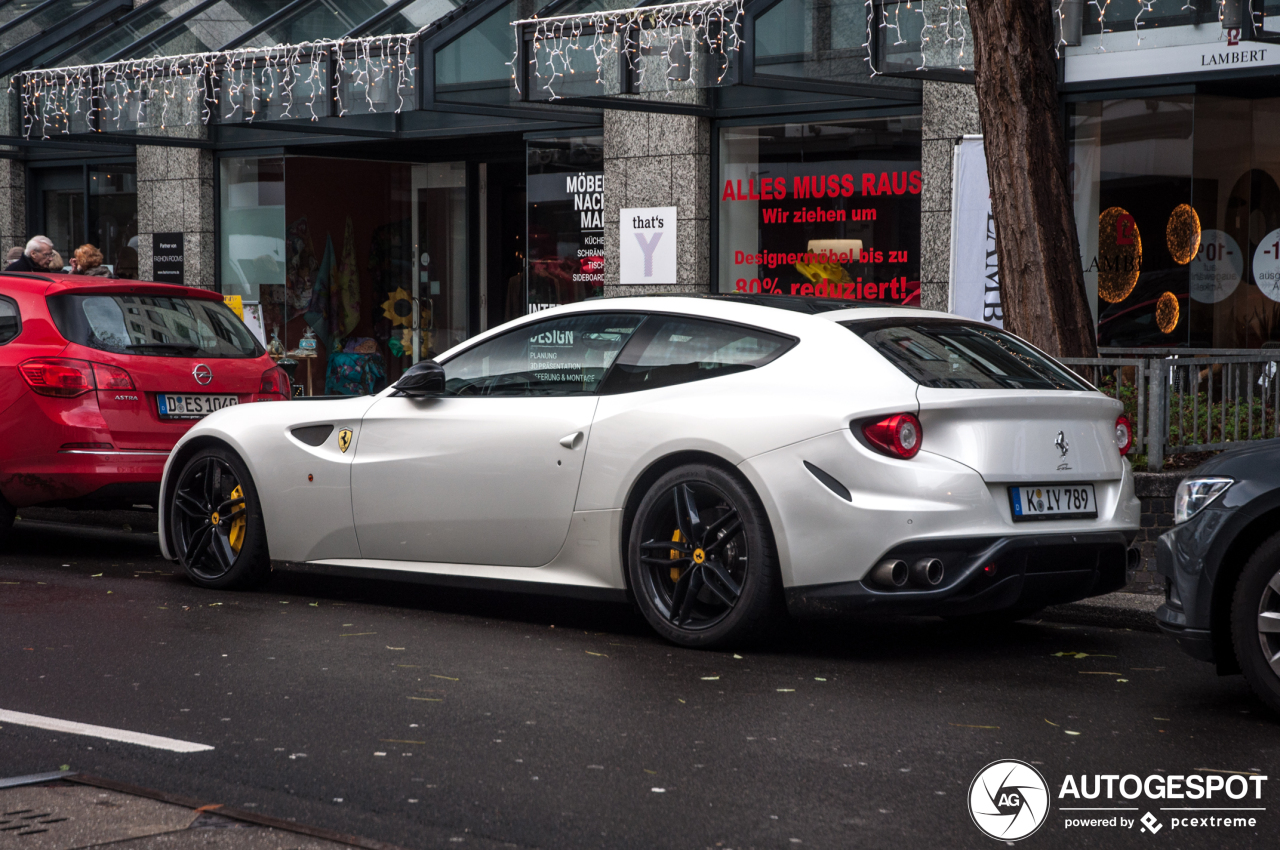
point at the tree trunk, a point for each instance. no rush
(1041, 281)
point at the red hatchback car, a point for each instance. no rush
(99, 379)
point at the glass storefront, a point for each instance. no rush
(827, 209)
(95, 205)
(360, 266)
(566, 220)
(1178, 214)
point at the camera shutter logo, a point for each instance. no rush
(1008, 800)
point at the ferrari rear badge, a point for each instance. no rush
(344, 439)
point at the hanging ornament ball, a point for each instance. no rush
(1167, 312)
(1182, 234)
(1119, 254)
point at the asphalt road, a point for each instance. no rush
(430, 717)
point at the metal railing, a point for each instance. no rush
(1183, 401)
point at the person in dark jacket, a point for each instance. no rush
(88, 260)
(36, 258)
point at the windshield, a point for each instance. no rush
(958, 355)
(157, 326)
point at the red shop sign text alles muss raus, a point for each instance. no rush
(823, 186)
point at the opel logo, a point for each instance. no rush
(202, 373)
(1062, 444)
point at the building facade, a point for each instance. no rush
(376, 177)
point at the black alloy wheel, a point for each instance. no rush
(1255, 622)
(216, 522)
(701, 560)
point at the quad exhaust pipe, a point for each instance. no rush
(927, 572)
(894, 572)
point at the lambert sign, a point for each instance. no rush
(1168, 61)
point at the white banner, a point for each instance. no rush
(975, 278)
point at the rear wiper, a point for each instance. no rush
(170, 346)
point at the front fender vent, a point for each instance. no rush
(313, 435)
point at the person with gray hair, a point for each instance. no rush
(36, 258)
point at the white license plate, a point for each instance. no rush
(1053, 501)
(192, 406)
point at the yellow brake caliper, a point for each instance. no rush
(236, 535)
(675, 571)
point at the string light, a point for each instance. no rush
(250, 83)
(947, 23)
(675, 31)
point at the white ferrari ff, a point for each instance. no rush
(717, 460)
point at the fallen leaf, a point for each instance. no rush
(1069, 732)
(426, 699)
(969, 726)
(399, 741)
(597, 654)
(786, 690)
(398, 648)
(1162, 718)
(1097, 673)
(357, 634)
(710, 678)
(1051, 723)
(438, 676)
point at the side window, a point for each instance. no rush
(10, 320)
(565, 356)
(677, 349)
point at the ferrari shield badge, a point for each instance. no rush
(344, 439)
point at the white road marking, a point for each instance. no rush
(53, 724)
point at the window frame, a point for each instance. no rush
(525, 327)
(17, 311)
(790, 342)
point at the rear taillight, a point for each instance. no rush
(65, 378)
(111, 377)
(899, 435)
(58, 377)
(274, 382)
(1124, 434)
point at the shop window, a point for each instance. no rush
(62, 200)
(252, 233)
(1128, 15)
(473, 67)
(829, 209)
(95, 205)
(1178, 214)
(566, 220)
(823, 40)
(922, 38)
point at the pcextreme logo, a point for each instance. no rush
(1010, 800)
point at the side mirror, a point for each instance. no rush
(424, 378)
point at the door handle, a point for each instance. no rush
(572, 441)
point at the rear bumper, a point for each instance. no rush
(62, 478)
(1029, 572)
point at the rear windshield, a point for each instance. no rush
(153, 325)
(958, 355)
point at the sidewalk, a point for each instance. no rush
(68, 811)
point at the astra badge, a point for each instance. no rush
(1062, 444)
(1008, 800)
(202, 373)
(344, 439)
